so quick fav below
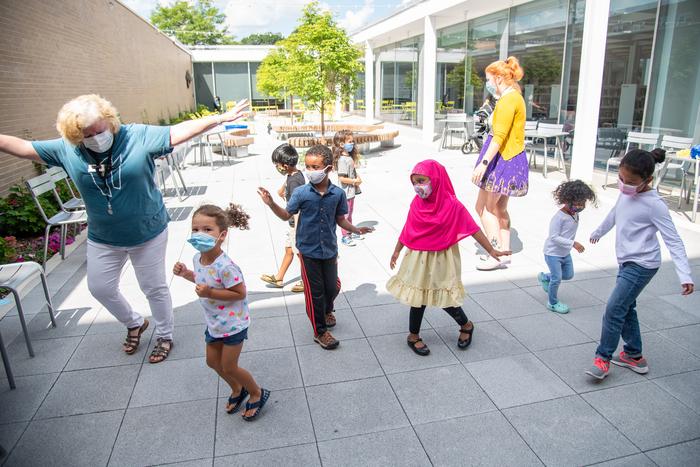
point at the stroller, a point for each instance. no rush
(479, 127)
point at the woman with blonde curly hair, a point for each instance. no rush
(502, 168)
(113, 167)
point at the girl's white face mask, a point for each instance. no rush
(101, 142)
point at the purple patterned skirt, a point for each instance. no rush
(507, 177)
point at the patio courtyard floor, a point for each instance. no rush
(517, 396)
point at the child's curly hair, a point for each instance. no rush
(574, 192)
(233, 216)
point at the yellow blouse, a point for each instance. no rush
(509, 124)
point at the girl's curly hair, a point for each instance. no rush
(575, 192)
(233, 216)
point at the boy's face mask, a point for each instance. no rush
(316, 176)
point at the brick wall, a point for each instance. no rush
(53, 51)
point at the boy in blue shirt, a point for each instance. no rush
(321, 206)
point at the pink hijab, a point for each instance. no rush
(439, 221)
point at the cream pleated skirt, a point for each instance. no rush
(431, 278)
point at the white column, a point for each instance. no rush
(428, 78)
(369, 83)
(595, 31)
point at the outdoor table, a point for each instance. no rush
(205, 140)
(544, 135)
(673, 156)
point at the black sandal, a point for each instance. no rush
(463, 344)
(256, 405)
(237, 401)
(160, 350)
(131, 344)
(422, 351)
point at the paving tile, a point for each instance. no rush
(285, 421)
(347, 327)
(589, 320)
(21, 404)
(207, 462)
(637, 460)
(80, 440)
(105, 323)
(384, 319)
(165, 433)
(665, 357)
(69, 323)
(568, 431)
(89, 391)
(393, 447)
(646, 414)
(174, 381)
(188, 314)
(368, 294)
(680, 454)
(105, 350)
(657, 314)
(396, 356)
(601, 287)
(570, 364)
(296, 305)
(354, 359)
(517, 380)
(303, 455)
(444, 442)
(568, 293)
(687, 337)
(189, 343)
(51, 355)
(683, 387)
(10, 328)
(490, 340)
(461, 396)
(688, 303)
(544, 331)
(508, 303)
(356, 407)
(268, 333)
(274, 369)
(437, 317)
(10, 434)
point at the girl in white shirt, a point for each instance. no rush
(637, 216)
(572, 197)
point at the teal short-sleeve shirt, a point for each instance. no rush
(138, 211)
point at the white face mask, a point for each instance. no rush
(101, 142)
(316, 176)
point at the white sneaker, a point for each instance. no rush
(490, 264)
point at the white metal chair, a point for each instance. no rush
(43, 184)
(675, 143)
(76, 203)
(454, 123)
(530, 125)
(544, 147)
(643, 140)
(170, 162)
(14, 277)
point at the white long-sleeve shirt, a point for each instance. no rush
(562, 233)
(636, 220)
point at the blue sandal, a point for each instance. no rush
(256, 405)
(237, 401)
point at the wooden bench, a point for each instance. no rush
(285, 130)
(363, 141)
(239, 144)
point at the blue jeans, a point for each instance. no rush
(620, 317)
(560, 268)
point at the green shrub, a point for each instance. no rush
(19, 215)
(8, 253)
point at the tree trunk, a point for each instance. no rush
(323, 125)
(291, 104)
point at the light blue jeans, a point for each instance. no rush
(560, 268)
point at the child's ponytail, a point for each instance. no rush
(233, 216)
(237, 217)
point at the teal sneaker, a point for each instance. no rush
(558, 307)
(544, 282)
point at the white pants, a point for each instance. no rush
(104, 267)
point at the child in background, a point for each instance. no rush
(222, 293)
(431, 270)
(572, 197)
(345, 160)
(637, 216)
(321, 206)
(285, 159)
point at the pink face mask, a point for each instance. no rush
(629, 190)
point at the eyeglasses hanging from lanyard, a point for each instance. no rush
(103, 169)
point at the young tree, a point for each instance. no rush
(200, 23)
(267, 38)
(316, 62)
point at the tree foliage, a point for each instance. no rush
(200, 23)
(316, 62)
(266, 38)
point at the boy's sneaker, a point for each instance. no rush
(544, 282)
(638, 365)
(600, 368)
(558, 307)
(330, 320)
(347, 241)
(298, 287)
(327, 341)
(357, 236)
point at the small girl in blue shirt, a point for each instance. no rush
(222, 293)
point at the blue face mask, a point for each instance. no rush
(349, 147)
(202, 242)
(491, 88)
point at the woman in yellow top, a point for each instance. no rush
(502, 168)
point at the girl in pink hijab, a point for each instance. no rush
(431, 271)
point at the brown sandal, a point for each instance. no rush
(131, 344)
(161, 350)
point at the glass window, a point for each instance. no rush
(485, 44)
(232, 81)
(399, 81)
(451, 74)
(204, 84)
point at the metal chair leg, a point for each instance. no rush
(62, 245)
(49, 304)
(6, 362)
(46, 245)
(20, 312)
